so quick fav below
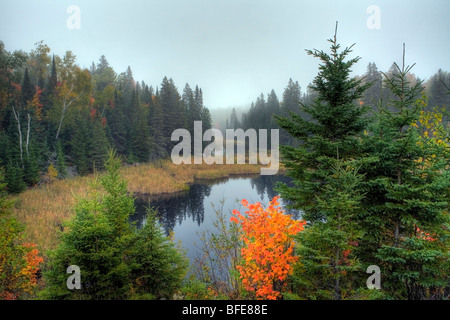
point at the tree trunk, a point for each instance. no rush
(19, 129)
(66, 105)
(28, 134)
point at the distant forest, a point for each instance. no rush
(58, 119)
(260, 113)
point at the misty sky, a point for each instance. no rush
(233, 49)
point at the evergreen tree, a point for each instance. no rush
(290, 104)
(273, 108)
(234, 121)
(373, 94)
(60, 161)
(206, 119)
(190, 108)
(172, 111)
(332, 133)
(407, 197)
(323, 190)
(47, 100)
(53, 79)
(31, 171)
(98, 144)
(326, 248)
(27, 89)
(95, 242)
(198, 103)
(80, 145)
(160, 268)
(116, 121)
(140, 138)
(117, 261)
(439, 85)
(14, 178)
(158, 142)
(103, 75)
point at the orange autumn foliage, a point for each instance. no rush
(23, 279)
(423, 235)
(29, 272)
(268, 250)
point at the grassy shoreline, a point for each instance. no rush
(44, 209)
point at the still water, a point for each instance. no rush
(188, 213)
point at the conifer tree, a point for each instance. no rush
(98, 144)
(405, 214)
(324, 168)
(273, 108)
(31, 171)
(172, 110)
(374, 93)
(140, 138)
(234, 121)
(80, 145)
(14, 178)
(290, 103)
(160, 267)
(189, 107)
(60, 161)
(332, 133)
(27, 89)
(48, 97)
(116, 260)
(328, 262)
(158, 142)
(117, 124)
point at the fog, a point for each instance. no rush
(234, 49)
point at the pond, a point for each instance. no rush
(188, 213)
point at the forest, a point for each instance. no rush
(368, 157)
(54, 115)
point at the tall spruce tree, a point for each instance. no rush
(140, 137)
(116, 121)
(116, 260)
(156, 123)
(374, 93)
(80, 145)
(28, 90)
(172, 110)
(324, 169)
(290, 103)
(405, 214)
(332, 133)
(98, 144)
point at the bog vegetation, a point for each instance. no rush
(368, 157)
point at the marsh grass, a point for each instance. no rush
(44, 209)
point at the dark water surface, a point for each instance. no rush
(190, 212)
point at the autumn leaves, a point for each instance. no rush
(267, 255)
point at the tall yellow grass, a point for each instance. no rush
(43, 209)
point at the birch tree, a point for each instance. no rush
(74, 85)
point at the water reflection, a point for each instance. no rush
(189, 212)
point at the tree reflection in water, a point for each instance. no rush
(186, 213)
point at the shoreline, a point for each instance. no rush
(44, 209)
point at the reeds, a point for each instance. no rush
(44, 209)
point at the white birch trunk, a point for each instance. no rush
(16, 115)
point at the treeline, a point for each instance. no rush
(260, 113)
(55, 116)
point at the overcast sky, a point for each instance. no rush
(233, 49)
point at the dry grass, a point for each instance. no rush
(43, 209)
